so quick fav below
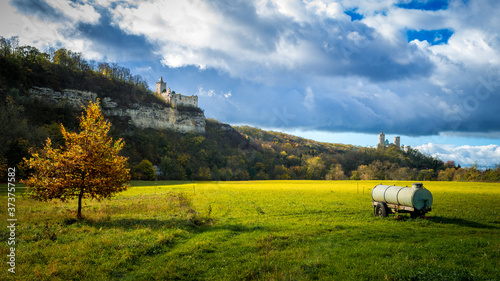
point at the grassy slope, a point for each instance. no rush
(270, 230)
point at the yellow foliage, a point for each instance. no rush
(87, 166)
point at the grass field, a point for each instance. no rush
(257, 230)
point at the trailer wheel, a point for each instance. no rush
(381, 210)
(416, 214)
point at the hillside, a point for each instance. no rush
(308, 159)
(40, 91)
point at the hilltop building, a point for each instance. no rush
(397, 141)
(161, 86)
(382, 142)
(173, 98)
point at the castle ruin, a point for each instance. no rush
(382, 142)
(173, 98)
(397, 141)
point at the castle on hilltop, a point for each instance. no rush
(173, 98)
(382, 142)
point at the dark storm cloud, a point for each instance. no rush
(38, 8)
(106, 38)
(354, 49)
(256, 33)
(109, 40)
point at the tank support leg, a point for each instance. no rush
(417, 214)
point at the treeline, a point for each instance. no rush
(61, 67)
(472, 173)
(23, 67)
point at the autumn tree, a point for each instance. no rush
(86, 166)
(315, 168)
(336, 173)
(446, 175)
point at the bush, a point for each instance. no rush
(144, 171)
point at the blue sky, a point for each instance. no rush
(335, 71)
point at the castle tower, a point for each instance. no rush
(397, 141)
(381, 139)
(174, 99)
(160, 86)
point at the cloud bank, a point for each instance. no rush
(483, 156)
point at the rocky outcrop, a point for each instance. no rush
(75, 98)
(155, 116)
(160, 117)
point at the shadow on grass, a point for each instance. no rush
(162, 243)
(191, 224)
(461, 222)
(135, 223)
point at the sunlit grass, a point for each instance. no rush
(264, 230)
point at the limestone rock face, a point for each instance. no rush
(75, 98)
(108, 103)
(160, 118)
(155, 116)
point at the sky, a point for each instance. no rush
(332, 71)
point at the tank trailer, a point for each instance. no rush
(415, 200)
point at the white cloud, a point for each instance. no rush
(471, 47)
(302, 12)
(29, 29)
(196, 33)
(43, 33)
(203, 93)
(309, 99)
(487, 155)
(211, 94)
(291, 8)
(331, 10)
(76, 12)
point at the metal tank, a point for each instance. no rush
(416, 199)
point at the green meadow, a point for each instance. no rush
(256, 230)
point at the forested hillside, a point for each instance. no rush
(222, 153)
(26, 123)
(301, 158)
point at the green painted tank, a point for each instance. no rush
(416, 196)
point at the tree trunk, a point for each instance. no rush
(79, 213)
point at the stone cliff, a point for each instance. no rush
(156, 116)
